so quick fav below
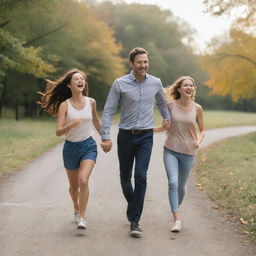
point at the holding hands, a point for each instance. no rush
(196, 144)
(166, 125)
(106, 145)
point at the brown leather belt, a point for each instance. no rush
(135, 131)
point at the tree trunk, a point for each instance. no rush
(2, 95)
(26, 109)
(245, 105)
(17, 117)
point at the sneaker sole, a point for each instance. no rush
(175, 231)
(81, 227)
(136, 233)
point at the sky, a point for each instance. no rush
(191, 11)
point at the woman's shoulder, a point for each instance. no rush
(92, 100)
(64, 103)
(170, 103)
(198, 107)
(63, 106)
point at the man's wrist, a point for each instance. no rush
(105, 137)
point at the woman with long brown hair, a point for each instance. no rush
(76, 114)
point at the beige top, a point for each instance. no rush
(183, 132)
(84, 130)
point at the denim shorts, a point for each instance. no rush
(75, 152)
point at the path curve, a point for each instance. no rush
(36, 212)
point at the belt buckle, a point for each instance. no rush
(136, 131)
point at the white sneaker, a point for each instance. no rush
(176, 226)
(76, 216)
(82, 224)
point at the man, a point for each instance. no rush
(136, 94)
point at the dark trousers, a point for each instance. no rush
(134, 150)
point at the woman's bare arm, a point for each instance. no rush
(95, 118)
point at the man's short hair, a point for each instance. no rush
(136, 51)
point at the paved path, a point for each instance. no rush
(36, 213)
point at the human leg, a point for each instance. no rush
(126, 149)
(185, 166)
(144, 143)
(71, 164)
(73, 187)
(84, 173)
(177, 167)
(171, 168)
(79, 159)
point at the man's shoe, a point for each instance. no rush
(135, 229)
(176, 226)
(76, 216)
(82, 224)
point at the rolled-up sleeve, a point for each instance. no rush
(109, 110)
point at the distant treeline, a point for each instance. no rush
(44, 38)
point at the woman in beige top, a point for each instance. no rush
(182, 140)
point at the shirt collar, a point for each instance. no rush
(134, 78)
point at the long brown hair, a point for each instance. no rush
(58, 91)
(172, 93)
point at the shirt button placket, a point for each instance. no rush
(140, 102)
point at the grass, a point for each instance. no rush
(23, 141)
(226, 171)
(217, 119)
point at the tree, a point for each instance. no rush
(232, 67)
(156, 30)
(14, 56)
(65, 34)
(247, 9)
(88, 44)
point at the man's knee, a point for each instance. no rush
(141, 178)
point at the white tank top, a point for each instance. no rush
(84, 130)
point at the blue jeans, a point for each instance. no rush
(178, 167)
(134, 148)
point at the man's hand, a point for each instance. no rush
(106, 145)
(166, 124)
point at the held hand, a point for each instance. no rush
(106, 145)
(103, 146)
(166, 124)
(196, 144)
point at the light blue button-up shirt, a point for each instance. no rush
(137, 100)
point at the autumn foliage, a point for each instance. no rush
(232, 67)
